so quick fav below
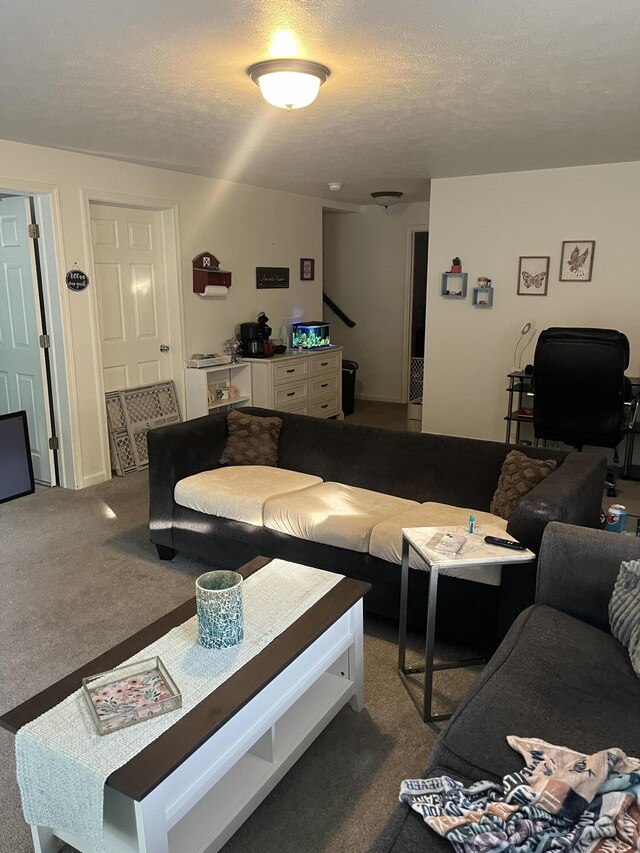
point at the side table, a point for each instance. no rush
(474, 553)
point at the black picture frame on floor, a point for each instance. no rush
(15, 457)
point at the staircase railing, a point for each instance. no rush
(346, 320)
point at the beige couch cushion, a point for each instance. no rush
(386, 537)
(333, 514)
(238, 492)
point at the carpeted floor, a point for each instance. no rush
(78, 575)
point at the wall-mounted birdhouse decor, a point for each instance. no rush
(208, 278)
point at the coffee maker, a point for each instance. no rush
(255, 338)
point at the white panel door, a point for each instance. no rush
(22, 367)
(130, 283)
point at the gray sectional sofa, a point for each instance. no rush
(413, 467)
(558, 675)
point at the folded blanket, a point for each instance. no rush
(560, 801)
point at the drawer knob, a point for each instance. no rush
(291, 370)
(324, 385)
(291, 393)
(324, 406)
(324, 363)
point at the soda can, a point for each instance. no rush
(617, 518)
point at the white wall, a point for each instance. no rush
(365, 258)
(243, 226)
(489, 221)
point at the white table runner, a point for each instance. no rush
(63, 764)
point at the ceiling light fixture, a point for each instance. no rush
(289, 83)
(386, 199)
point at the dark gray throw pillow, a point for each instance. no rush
(251, 440)
(624, 606)
(520, 473)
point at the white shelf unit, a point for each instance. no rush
(200, 381)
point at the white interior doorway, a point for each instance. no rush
(25, 371)
(131, 291)
(415, 323)
(137, 311)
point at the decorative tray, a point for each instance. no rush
(130, 694)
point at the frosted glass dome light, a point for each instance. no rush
(289, 83)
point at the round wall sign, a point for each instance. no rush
(77, 280)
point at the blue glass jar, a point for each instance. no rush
(220, 610)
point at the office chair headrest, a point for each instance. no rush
(579, 335)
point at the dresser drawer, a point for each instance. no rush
(325, 408)
(325, 386)
(327, 362)
(289, 370)
(297, 408)
(289, 393)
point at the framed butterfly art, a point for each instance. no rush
(576, 261)
(533, 275)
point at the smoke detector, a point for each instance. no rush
(335, 186)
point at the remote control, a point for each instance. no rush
(504, 543)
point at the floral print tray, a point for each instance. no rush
(130, 694)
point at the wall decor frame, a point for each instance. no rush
(533, 275)
(307, 269)
(576, 260)
(268, 278)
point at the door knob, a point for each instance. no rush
(164, 348)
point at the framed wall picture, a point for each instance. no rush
(533, 275)
(307, 269)
(268, 278)
(576, 262)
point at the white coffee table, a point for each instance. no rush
(192, 787)
(475, 553)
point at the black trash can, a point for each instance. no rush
(349, 370)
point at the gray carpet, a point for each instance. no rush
(78, 575)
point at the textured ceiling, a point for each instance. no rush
(419, 89)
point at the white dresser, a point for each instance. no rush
(307, 383)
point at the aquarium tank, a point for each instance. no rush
(310, 335)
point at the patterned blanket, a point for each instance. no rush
(560, 801)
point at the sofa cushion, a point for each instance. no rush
(553, 677)
(520, 473)
(251, 440)
(333, 514)
(238, 492)
(386, 537)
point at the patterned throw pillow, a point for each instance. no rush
(634, 649)
(518, 476)
(251, 440)
(624, 605)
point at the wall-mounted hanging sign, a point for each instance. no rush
(269, 277)
(77, 280)
(307, 269)
(208, 278)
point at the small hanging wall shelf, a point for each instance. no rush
(208, 279)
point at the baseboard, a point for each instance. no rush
(375, 398)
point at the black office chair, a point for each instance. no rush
(581, 395)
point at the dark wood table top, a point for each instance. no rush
(139, 776)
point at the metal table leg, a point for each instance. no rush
(425, 710)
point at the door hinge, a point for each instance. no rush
(45, 341)
(34, 231)
(54, 444)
